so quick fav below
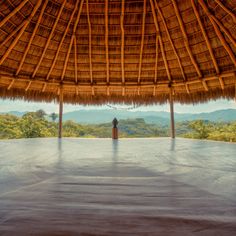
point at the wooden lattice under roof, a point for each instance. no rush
(94, 51)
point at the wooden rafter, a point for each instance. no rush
(160, 41)
(186, 42)
(106, 40)
(11, 84)
(226, 10)
(13, 32)
(213, 18)
(67, 57)
(204, 84)
(12, 13)
(32, 37)
(28, 86)
(205, 37)
(5, 55)
(61, 42)
(218, 33)
(49, 39)
(221, 83)
(169, 37)
(155, 18)
(164, 59)
(44, 87)
(142, 40)
(90, 43)
(122, 39)
(76, 65)
(156, 61)
(72, 39)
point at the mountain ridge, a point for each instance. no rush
(153, 117)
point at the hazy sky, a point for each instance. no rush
(18, 105)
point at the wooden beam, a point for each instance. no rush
(218, 33)
(122, 40)
(12, 13)
(28, 86)
(13, 44)
(75, 59)
(226, 10)
(169, 37)
(60, 113)
(160, 41)
(221, 83)
(32, 37)
(62, 39)
(49, 39)
(164, 59)
(155, 18)
(154, 90)
(204, 84)
(187, 88)
(72, 38)
(142, 40)
(205, 37)
(222, 27)
(186, 42)
(13, 32)
(106, 39)
(44, 87)
(156, 62)
(11, 84)
(67, 58)
(172, 120)
(90, 44)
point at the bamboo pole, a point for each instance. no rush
(222, 27)
(61, 42)
(156, 61)
(218, 32)
(107, 41)
(72, 39)
(32, 37)
(122, 40)
(168, 34)
(90, 43)
(142, 40)
(205, 37)
(49, 39)
(172, 119)
(227, 10)
(15, 41)
(185, 37)
(13, 12)
(60, 113)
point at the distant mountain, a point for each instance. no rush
(162, 118)
(151, 117)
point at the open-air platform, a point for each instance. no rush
(126, 187)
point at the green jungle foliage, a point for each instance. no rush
(38, 124)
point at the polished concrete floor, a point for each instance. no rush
(125, 187)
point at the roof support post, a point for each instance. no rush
(60, 113)
(172, 119)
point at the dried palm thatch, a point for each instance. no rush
(94, 51)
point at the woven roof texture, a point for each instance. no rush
(98, 51)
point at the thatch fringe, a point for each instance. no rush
(99, 99)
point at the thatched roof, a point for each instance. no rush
(94, 51)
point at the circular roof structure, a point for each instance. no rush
(95, 51)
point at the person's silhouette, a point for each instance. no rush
(115, 123)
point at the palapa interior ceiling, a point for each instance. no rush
(95, 51)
